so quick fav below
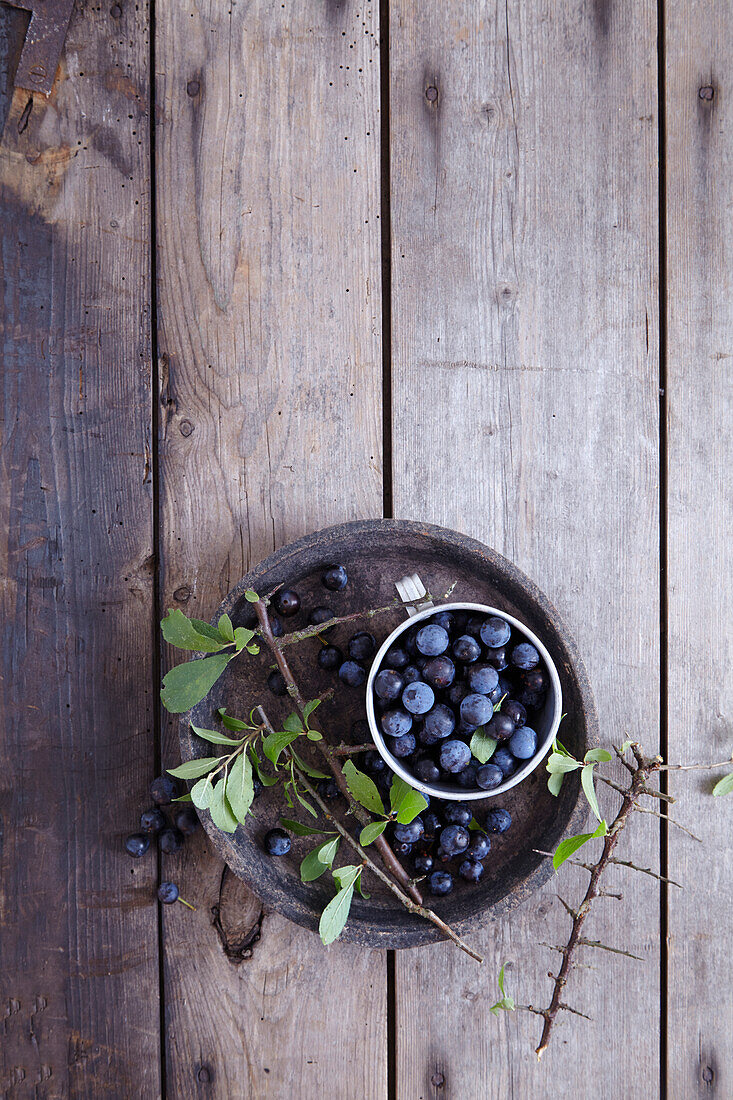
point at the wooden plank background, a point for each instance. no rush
(436, 228)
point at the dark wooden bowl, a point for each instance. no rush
(376, 553)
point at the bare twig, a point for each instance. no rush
(389, 859)
(645, 871)
(575, 1011)
(694, 767)
(666, 817)
(605, 947)
(350, 750)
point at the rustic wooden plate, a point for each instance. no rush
(376, 553)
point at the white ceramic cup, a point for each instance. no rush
(545, 725)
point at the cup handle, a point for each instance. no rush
(411, 590)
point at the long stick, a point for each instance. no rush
(389, 859)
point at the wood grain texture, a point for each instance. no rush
(79, 949)
(269, 316)
(699, 137)
(525, 409)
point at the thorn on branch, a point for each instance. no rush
(605, 947)
(666, 817)
(644, 871)
(568, 908)
(575, 1011)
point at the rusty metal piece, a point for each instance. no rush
(44, 41)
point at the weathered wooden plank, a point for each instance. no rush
(268, 204)
(525, 409)
(699, 143)
(79, 947)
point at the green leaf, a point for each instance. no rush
(319, 860)
(214, 737)
(233, 724)
(254, 649)
(598, 756)
(275, 742)
(363, 789)
(347, 876)
(240, 788)
(190, 633)
(501, 981)
(554, 783)
(302, 830)
(306, 767)
(310, 707)
(242, 638)
(265, 779)
(183, 798)
(558, 763)
(293, 723)
(724, 785)
(626, 746)
(314, 735)
(306, 805)
(220, 810)
(187, 684)
(192, 769)
(360, 888)
(559, 747)
(335, 915)
(251, 596)
(482, 746)
(474, 826)
(371, 831)
(201, 793)
(586, 778)
(568, 847)
(406, 803)
(226, 628)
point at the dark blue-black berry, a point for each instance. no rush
(501, 727)
(362, 646)
(497, 821)
(396, 658)
(395, 723)
(437, 724)
(439, 672)
(454, 813)
(152, 821)
(489, 776)
(427, 771)
(330, 657)
(335, 578)
(422, 863)
(525, 656)
(137, 844)
(360, 731)
(163, 790)
(471, 870)
(454, 756)
(418, 698)
(388, 684)
(431, 824)
(466, 649)
(411, 674)
(535, 679)
(187, 821)
(446, 619)
(482, 678)
(276, 626)
(321, 615)
(277, 842)
(454, 839)
(523, 743)
(329, 789)
(497, 658)
(402, 847)
(515, 711)
(495, 632)
(409, 833)
(432, 640)
(168, 892)
(457, 693)
(276, 683)
(286, 602)
(373, 762)
(402, 746)
(441, 883)
(467, 778)
(352, 674)
(479, 847)
(504, 760)
(170, 841)
(476, 710)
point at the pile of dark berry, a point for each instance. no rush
(442, 680)
(170, 832)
